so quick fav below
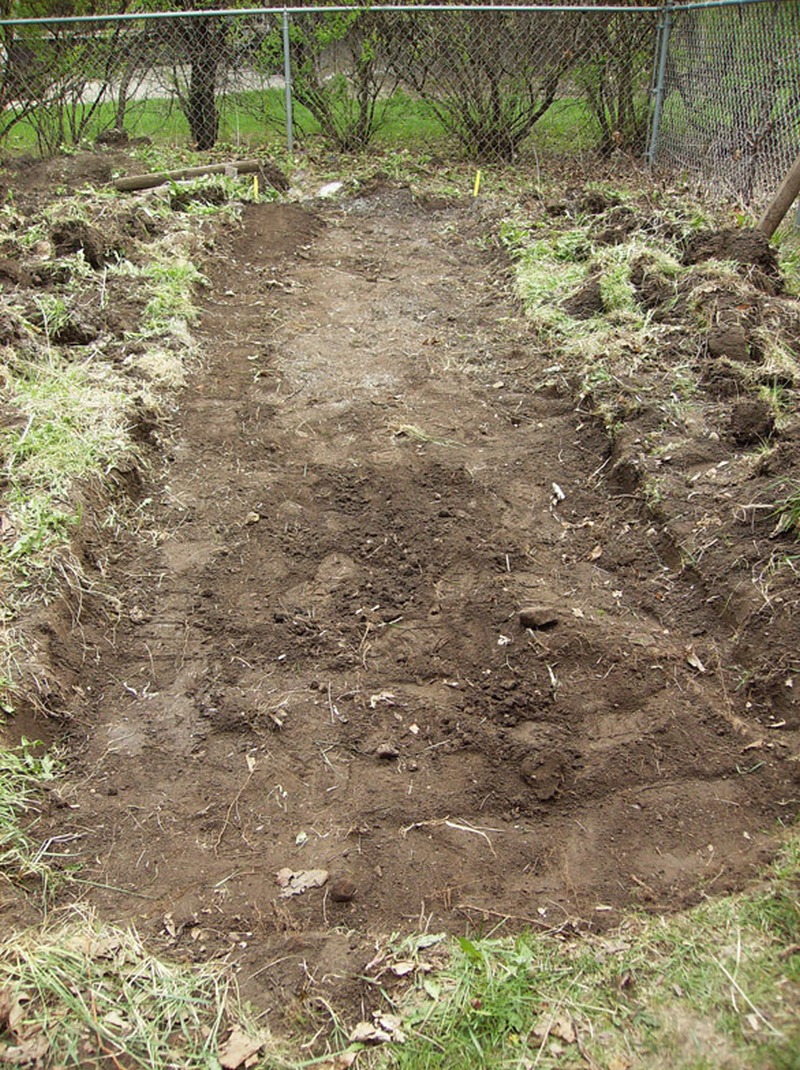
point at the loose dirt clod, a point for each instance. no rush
(343, 890)
(74, 236)
(539, 618)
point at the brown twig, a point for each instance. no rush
(509, 917)
(234, 801)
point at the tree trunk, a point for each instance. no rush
(203, 46)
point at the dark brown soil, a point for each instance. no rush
(750, 249)
(320, 660)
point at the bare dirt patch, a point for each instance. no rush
(320, 663)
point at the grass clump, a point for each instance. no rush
(171, 306)
(787, 513)
(23, 772)
(75, 425)
(81, 993)
(779, 362)
(601, 348)
(548, 273)
(617, 292)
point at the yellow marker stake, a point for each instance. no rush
(255, 188)
(477, 185)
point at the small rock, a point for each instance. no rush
(342, 890)
(386, 752)
(539, 618)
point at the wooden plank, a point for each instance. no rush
(781, 202)
(134, 182)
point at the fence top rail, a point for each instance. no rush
(701, 5)
(562, 8)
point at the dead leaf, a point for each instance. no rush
(392, 1023)
(115, 1019)
(596, 552)
(93, 946)
(238, 1048)
(10, 1011)
(559, 1027)
(383, 696)
(28, 1052)
(296, 882)
(401, 969)
(429, 939)
(386, 1028)
(367, 1033)
(339, 1062)
(693, 660)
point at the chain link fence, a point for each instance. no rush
(710, 89)
(486, 82)
(730, 95)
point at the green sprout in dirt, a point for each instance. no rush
(787, 513)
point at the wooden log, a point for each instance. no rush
(134, 182)
(781, 202)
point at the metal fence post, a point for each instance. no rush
(287, 84)
(660, 75)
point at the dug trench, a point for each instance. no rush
(320, 663)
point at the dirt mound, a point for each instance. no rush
(320, 662)
(750, 249)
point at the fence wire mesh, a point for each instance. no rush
(486, 80)
(731, 96)
(495, 84)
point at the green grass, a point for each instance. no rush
(23, 772)
(75, 425)
(74, 406)
(81, 993)
(712, 987)
(787, 513)
(258, 118)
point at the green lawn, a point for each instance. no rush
(258, 118)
